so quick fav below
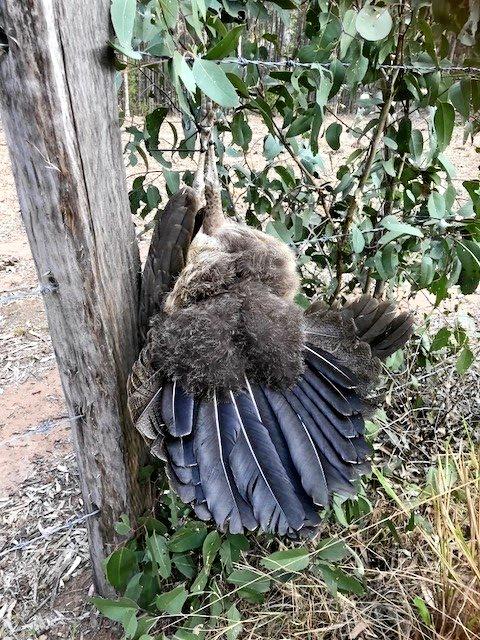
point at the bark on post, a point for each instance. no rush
(59, 111)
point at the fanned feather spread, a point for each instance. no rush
(256, 408)
(261, 456)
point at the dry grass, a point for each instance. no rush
(422, 580)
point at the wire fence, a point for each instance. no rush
(147, 85)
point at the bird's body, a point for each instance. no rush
(256, 407)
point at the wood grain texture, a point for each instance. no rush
(59, 110)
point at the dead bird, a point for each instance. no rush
(256, 407)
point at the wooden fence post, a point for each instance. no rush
(59, 110)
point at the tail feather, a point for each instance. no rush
(340, 400)
(177, 409)
(335, 450)
(185, 490)
(328, 367)
(262, 457)
(172, 235)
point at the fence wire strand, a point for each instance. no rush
(291, 63)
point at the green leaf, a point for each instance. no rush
(201, 580)
(153, 122)
(286, 176)
(338, 73)
(373, 23)
(152, 524)
(460, 94)
(130, 623)
(277, 229)
(235, 627)
(183, 71)
(423, 611)
(397, 229)
(464, 361)
(241, 132)
(300, 125)
(134, 588)
(386, 259)
(226, 45)
(427, 271)
(468, 253)
(157, 548)
(115, 610)
(357, 70)
(126, 50)
(246, 578)
(211, 79)
(184, 564)
(391, 144)
(271, 147)
(441, 339)
(123, 19)
(172, 180)
(357, 239)
(190, 536)
(436, 205)
(169, 10)
(290, 560)
(172, 601)
(239, 84)
(284, 4)
(332, 135)
(338, 580)
(332, 550)
(211, 546)
(404, 135)
(444, 121)
(348, 31)
(389, 167)
(416, 144)
(429, 39)
(120, 567)
(123, 527)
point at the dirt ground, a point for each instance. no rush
(45, 595)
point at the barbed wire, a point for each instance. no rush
(49, 532)
(291, 63)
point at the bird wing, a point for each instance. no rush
(260, 457)
(378, 323)
(173, 233)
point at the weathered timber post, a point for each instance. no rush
(59, 111)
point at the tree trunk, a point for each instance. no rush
(59, 111)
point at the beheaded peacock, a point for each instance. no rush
(256, 407)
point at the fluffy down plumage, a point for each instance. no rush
(258, 409)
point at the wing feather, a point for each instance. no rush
(216, 431)
(302, 448)
(259, 474)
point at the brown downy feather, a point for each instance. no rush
(215, 342)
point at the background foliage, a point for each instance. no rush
(393, 218)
